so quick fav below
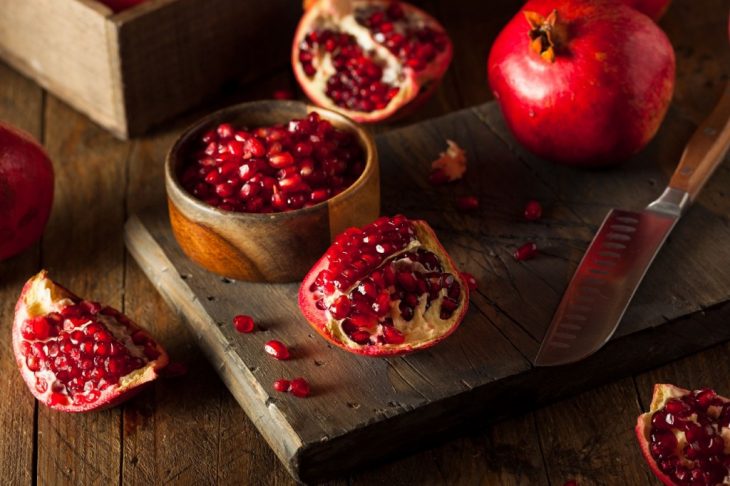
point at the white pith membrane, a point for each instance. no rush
(426, 323)
(42, 297)
(664, 393)
(341, 16)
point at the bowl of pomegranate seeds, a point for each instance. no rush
(258, 190)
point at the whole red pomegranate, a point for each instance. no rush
(385, 289)
(685, 437)
(653, 8)
(369, 59)
(26, 190)
(77, 355)
(582, 82)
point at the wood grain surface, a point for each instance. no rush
(190, 430)
(485, 368)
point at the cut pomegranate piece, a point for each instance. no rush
(369, 59)
(273, 169)
(387, 288)
(76, 355)
(685, 436)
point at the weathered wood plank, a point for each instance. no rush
(590, 438)
(82, 248)
(21, 104)
(490, 353)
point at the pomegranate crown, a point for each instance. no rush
(547, 34)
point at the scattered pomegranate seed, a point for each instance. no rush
(471, 282)
(299, 387)
(278, 168)
(283, 94)
(243, 323)
(526, 251)
(277, 349)
(174, 370)
(533, 210)
(281, 385)
(450, 165)
(572, 482)
(467, 203)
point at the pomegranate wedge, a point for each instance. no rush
(385, 289)
(685, 436)
(76, 355)
(369, 59)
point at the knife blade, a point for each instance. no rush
(625, 246)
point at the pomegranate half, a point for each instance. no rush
(76, 355)
(685, 436)
(582, 83)
(384, 289)
(369, 59)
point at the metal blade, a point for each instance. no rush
(604, 283)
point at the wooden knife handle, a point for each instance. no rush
(705, 150)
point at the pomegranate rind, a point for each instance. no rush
(40, 296)
(663, 392)
(318, 318)
(416, 87)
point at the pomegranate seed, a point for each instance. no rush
(467, 203)
(243, 323)
(299, 387)
(533, 211)
(392, 336)
(471, 282)
(283, 94)
(174, 370)
(526, 251)
(277, 349)
(281, 385)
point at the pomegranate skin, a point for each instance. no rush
(26, 191)
(604, 96)
(653, 8)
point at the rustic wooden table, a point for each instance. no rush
(190, 430)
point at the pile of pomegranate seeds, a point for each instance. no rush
(687, 441)
(412, 278)
(81, 353)
(360, 81)
(273, 169)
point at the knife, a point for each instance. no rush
(624, 247)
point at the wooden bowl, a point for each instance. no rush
(267, 247)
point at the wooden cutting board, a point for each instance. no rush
(363, 409)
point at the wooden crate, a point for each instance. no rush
(131, 70)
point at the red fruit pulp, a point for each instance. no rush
(387, 288)
(685, 436)
(273, 169)
(368, 58)
(582, 83)
(26, 191)
(76, 355)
